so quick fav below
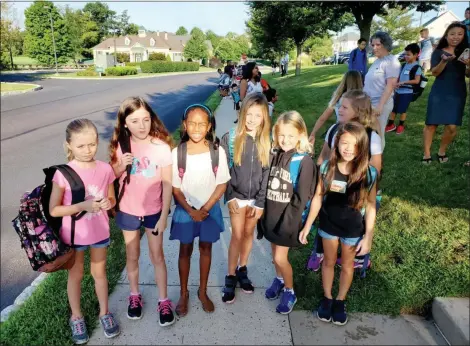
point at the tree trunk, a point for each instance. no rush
(11, 58)
(298, 60)
(364, 26)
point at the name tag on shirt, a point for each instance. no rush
(338, 186)
(407, 72)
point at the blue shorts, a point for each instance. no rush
(100, 244)
(128, 222)
(401, 102)
(345, 241)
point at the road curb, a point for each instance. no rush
(22, 297)
(452, 318)
(126, 78)
(18, 92)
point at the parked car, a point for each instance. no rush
(343, 58)
(401, 56)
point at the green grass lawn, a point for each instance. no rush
(24, 60)
(4, 87)
(421, 243)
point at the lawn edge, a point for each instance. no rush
(35, 87)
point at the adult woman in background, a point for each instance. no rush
(249, 83)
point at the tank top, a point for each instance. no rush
(253, 88)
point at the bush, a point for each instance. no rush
(168, 57)
(121, 71)
(123, 57)
(134, 64)
(157, 56)
(166, 66)
(89, 72)
(215, 63)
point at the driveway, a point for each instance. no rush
(33, 131)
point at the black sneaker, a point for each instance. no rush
(325, 310)
(165, 310)
(245, 283)
(339, 316)
(134, 311)
(229, 289)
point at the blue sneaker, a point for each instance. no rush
(325, 310)
(274, 291)
(110, 325)
(339, 316)
(288, 300)
(79, 332)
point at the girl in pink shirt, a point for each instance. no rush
(91, 230)
(140, 153)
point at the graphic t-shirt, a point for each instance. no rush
(405, 77)
(143, 194)
(92, 227)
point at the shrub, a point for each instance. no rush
(215, 63)
(134, 64)
(166, 66)
(168, 57)
(121, 71)
(123, 57)
(88, 72)
(157, 56)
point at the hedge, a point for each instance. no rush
(134, 64)
(89, 72)
(166, 66)
(157, 56)
(121, 71)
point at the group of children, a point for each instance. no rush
(267, 177)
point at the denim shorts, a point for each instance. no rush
(128, 222)
(100, 244)
(345, 241)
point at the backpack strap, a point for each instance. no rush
(371, 176)
(331, 134)
(369, 136)
(181, 153)
(294, 168)
(231, 145)
(214, 158)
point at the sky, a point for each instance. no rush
(218, 16)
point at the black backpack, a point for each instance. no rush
(39, 231)
(417, 88)
(182, 153)
(125, 144)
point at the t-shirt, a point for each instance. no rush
(271, 108)
(376, 78)
(143, 194)
(466, 22)
(426, 48)
(92, 227)
(375, 141)
(405, 77)
(199, 181)
(252, 88)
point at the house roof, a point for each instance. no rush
(432, 20)
(173, 42)
(349, 36)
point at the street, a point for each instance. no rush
(33, 131)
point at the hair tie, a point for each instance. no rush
(197, 105)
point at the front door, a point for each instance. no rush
(138, 57)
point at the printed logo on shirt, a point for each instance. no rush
(277, 185)
(93, 192)
(143, 167)
(338, 186)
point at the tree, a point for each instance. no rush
(38, 39)
(132, 29)
(196, 48)
(227, 50)
(181, 31)
(11, 36)
(364, 11)
(398, 23)
(213, 37)
(198, 31)
(319, 47)
(296, 20)
(102, 16)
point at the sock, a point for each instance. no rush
(134, 293)
(291, 290)
(162, 300)
(402, 122)
(280, 279)
(390, 122)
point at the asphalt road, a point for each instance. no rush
(33, 131)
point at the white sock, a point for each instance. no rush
(280, 279)
(291, 290)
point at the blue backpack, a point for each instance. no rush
(294, 169)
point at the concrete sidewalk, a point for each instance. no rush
(252, 319)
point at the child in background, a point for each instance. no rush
(147, 196)
(286, 200)
(345, 201)
(409, 76)
(271, 96)
(236, 99)
(224, 81)
(248, 146)
(92, 230)
(352, 80)
(197, 189)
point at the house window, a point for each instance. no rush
(127, 41)
(152, 42)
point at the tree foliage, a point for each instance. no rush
(181, 31)
(213, 37)
(196, 48)
(103, 16)
(398, 23)
(11, 37)
(198, 32)
(319, 47)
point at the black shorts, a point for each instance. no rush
(237, 105)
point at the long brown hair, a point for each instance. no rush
(352, 80)
(262, 139)
(77, 126)
(362, 106)
(357, 180)
(121, 133)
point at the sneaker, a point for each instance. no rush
(165, 310)
(325, 310)
(229, 289)
(390, 128)
(314, 262)
(274, 291)
(288, 300)
(400, 129)
(358, 263)
(339, 316)
(134, 310)
(79, 332)
(110, 325)
(245, 283)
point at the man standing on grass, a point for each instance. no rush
(427, 45)
(466, 22)
(358, 58)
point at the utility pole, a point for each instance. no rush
(53, 42)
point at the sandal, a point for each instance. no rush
(427, 161)
(207, 304)
(442, 158)
(182, 306)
